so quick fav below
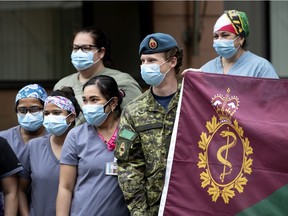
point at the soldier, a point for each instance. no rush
(146, 126)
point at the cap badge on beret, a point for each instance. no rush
(156, 43)
(152, 44)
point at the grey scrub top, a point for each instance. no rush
(95, 193)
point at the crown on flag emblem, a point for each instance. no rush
(225, 106)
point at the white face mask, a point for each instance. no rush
(56, 124)
(83, 60)
(95, 113)
(225, 48)
(30, 121)
(152, 75)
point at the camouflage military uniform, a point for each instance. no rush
(142, 150)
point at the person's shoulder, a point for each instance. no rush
(69, 77)
(125, 81)
(117, 73)
(36, 142)
(3, 141)
(66, 80)
(79, 129)
(4, 145)
(209, 63)
(263, 67)
(212, 60)
(139, 102)
(254, 57)
(11, 130)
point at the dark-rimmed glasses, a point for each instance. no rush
(32, 109)
(85, 48)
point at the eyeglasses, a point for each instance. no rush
(32, 109)
(85, 48)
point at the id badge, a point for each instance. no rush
(111, 168)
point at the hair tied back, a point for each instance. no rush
(121, 93)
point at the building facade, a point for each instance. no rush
(36, 37)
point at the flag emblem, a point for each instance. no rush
(226, 154)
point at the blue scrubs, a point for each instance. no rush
(14, 138)
(43, 168)
(95, 193)
(248, 64)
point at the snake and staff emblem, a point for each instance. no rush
(225, 148)
(215, 159)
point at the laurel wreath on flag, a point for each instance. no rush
(215, 189)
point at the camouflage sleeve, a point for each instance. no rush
(131, 167)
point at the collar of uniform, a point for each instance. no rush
(172, 104)
(174, 101)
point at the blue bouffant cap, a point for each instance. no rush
(31, 91)
(157, 42)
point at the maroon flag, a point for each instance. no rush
(229, 149)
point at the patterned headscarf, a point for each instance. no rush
(233, 21)
(31, 91)
(61, 102)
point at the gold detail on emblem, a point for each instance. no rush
(226, 148)
(224, 182)
(152, 44)
(122, 149)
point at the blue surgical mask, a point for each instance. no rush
(225, 48)
(31, 121)
(83, 60)
(152, 75)
(56, 124)
(95, 113)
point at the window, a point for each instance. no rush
(35, 39)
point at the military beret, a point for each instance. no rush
(157, 42)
